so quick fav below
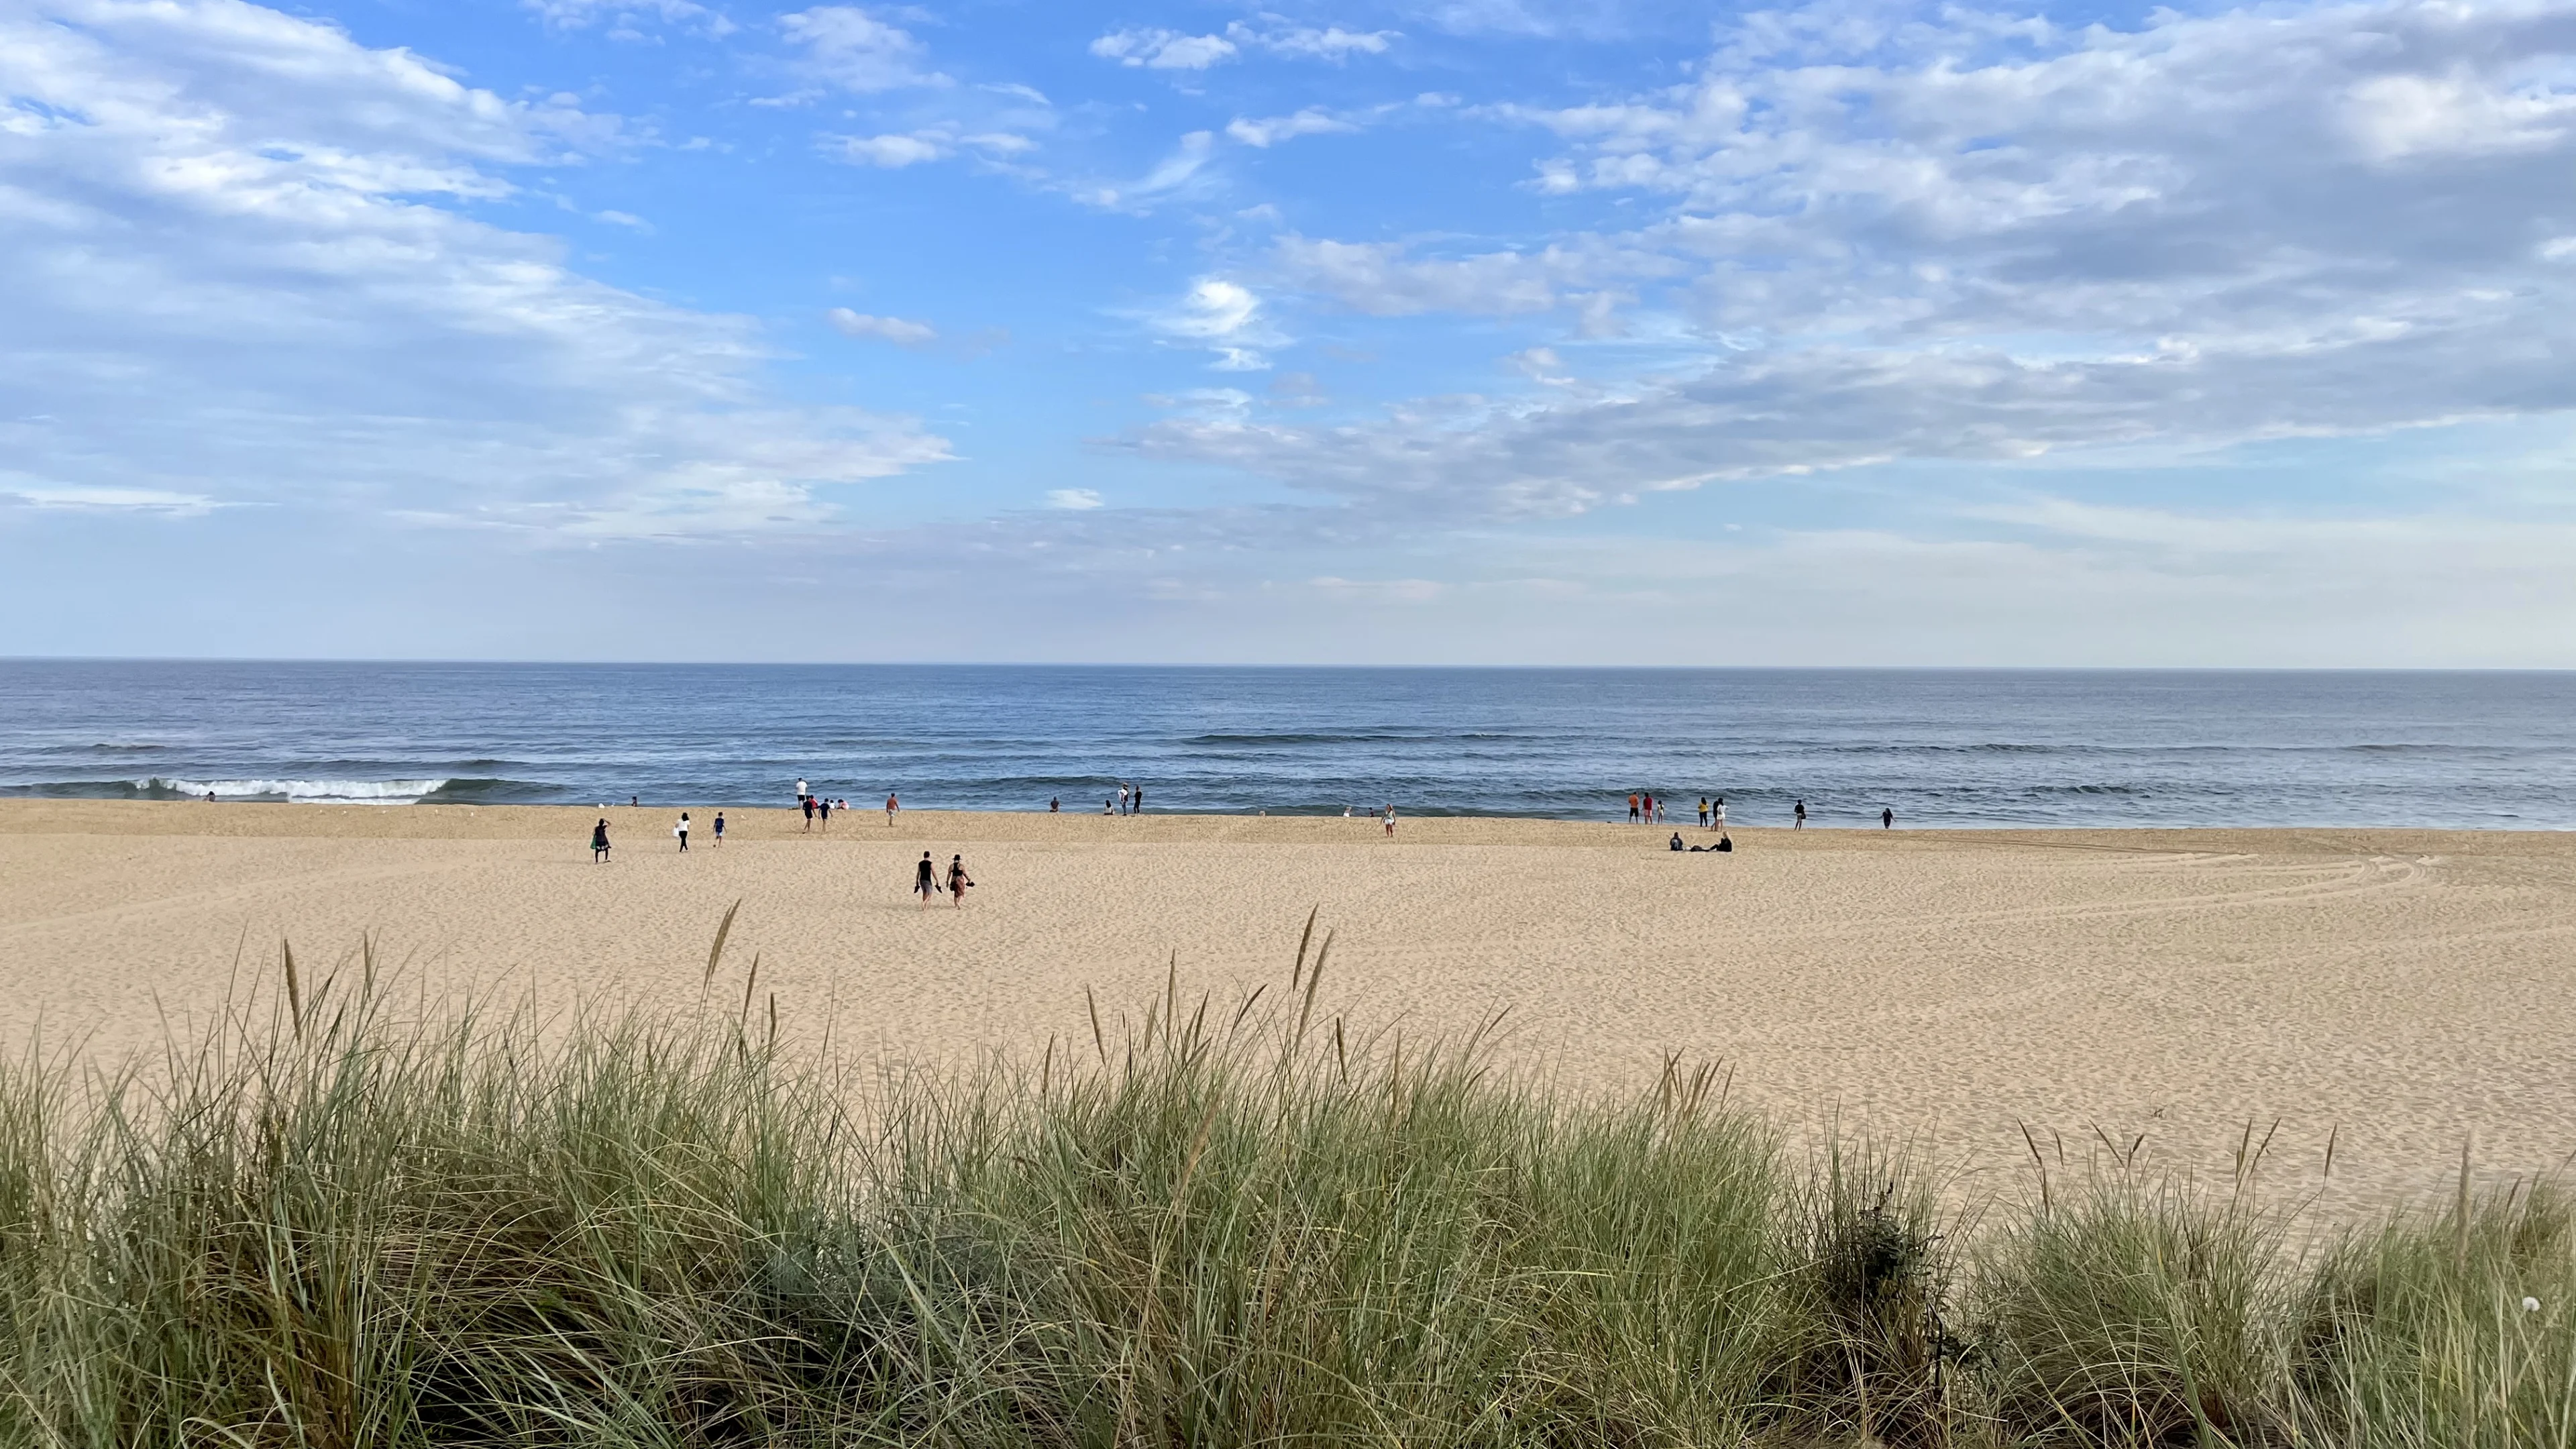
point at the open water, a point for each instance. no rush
(1941, 747)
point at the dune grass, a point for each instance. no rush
(336, 1224)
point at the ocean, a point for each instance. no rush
(1940, 747)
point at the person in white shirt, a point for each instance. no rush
(682, 830)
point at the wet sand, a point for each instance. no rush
(2401, 990)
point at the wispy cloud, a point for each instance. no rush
(247, 227)
(897, 330)
(1163, 49)
(848, 47)
(1226, 317)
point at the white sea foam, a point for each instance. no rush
(306, 792)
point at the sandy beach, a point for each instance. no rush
(2403, 991)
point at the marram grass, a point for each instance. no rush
(340, 1225)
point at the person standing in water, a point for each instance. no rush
(925, 879)
(719, 830)
(1055, 804)
(682, 830)
(958, 880)
(1887, 818)
(599, 841)
(1802, 816)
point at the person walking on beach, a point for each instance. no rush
(720, 830)
(958, 880)
(805, 802)
(1887, 818)
(893, 805)
(599, 841)
(801, 796)
(682, 830)
(825, 810)
(1390, 822)
(925, 879)
(1802, 816)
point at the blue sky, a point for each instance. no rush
(1480, 331)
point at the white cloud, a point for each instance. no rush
(890, 151)
(1174, 173)
(1311, 121)
(850, 48)
(1224, 315)
(1159, 49)
(1958, 235)
(245, 226)
(97, 499)
(1379, 591)
(1331, 43)
(896, 330)
(1163, 49)
(1076, 499)
(576, 14)
(1383, 280)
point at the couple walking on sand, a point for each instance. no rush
(925, 879)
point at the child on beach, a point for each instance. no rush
(599, 841)
(719, 828)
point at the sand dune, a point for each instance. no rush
(2401, 989)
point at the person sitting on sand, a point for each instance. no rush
(599, 841)
(925, 879)
(1677, 841)
(958, 880)
(1724, 844)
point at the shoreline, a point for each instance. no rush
(336, 820)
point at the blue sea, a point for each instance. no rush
(1940, 747)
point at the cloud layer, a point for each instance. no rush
(238, 267)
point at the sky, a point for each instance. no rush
(1306, 331)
